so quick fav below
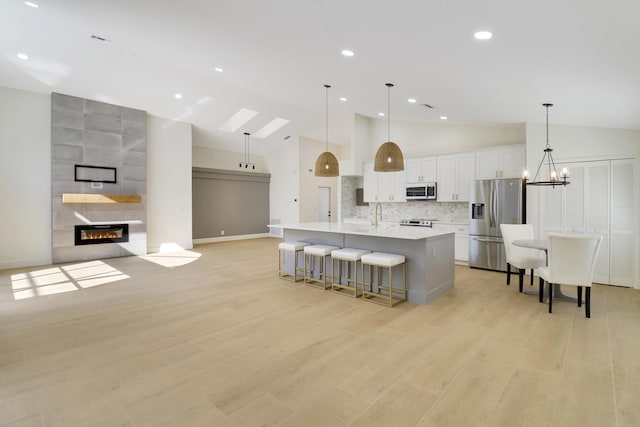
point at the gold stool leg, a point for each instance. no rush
(390, 287)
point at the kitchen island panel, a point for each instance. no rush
(430, 261)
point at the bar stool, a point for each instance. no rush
(381, 259)
(296, 248)
(313, 252)
(348, 255)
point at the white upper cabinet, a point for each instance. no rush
(384, 186)
(455, 173)
(500, 162)
(421, 170)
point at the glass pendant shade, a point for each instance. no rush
(327, 163)
(389, 157)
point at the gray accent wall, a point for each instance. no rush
(86, 132)
(235, 202)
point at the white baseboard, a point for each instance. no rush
(229, 238)
(26, 262)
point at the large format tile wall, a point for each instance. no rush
(86, 132)
(427, 209)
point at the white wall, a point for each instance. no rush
(169, 219)
(228, 160)
(309, 150)
(25, 178)
(417, 139)
(284, 187)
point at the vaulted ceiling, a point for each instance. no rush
(275, 56)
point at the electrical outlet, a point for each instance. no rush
(222, 232)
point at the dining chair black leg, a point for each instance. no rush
(508, 274)
(540, 289)
(579, 296)
(587, 305)
(550, 296)
(531, 281)
(520, 278)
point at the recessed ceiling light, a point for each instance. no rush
(177, 96)
(218, 69)
(343, 99)
(347, 52)
(483, 35)
(381, 114)
(241, 117)
(443, 117)
(411, 100)
(28, 3)
(23, 56)
(270, 127)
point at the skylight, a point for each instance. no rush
(238, 119)
(270, 128)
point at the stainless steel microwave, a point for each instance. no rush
(422, 191)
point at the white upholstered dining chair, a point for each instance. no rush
(572, 261)
(521, 258)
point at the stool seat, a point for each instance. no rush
(296, 248)
(383, 259)
(319, 250)
(386, 294)
(292, 246)
(348, 254)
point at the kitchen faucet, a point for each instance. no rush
(375, 223)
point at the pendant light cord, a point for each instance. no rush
(547, 105)
(327, 116)
(389, 85)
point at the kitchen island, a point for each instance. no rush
(429, 253)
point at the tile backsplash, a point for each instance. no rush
(446, 212)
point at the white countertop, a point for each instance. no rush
(388, 231)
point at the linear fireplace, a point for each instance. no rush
(95, 234)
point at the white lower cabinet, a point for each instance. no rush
(461, 249)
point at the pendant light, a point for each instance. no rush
(246, 164)
(547, 174)
(327, 164)
(389, 156)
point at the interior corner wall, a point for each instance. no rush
(169, 211)
(284, 190)
(417, 139)
(309, 150)
(25, 177)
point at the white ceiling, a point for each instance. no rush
(581, 55)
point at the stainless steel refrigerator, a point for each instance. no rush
(492, 202)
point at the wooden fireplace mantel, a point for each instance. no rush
(101, 198)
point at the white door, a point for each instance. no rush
(324, 204)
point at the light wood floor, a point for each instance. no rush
(221, 341)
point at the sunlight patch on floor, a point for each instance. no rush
(68, 278)
(172, 258)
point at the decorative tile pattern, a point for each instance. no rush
(445, 212)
